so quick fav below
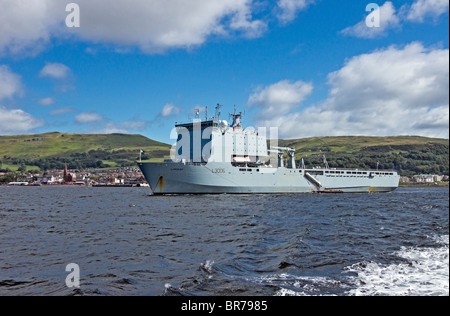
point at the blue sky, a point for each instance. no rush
(311, 68)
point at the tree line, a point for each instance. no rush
(408, 160)
(92, 159)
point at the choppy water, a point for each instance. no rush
(128, 243)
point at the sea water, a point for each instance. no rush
(126, 242)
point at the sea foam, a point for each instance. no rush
(425, 273)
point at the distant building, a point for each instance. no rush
(405, 179)
(427, 178)
(67, 176)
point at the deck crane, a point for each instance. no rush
(280, 151)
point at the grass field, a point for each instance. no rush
(356, 144)
(407, 154)
(64, 144)
(42, 151)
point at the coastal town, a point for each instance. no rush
(425, 180)
(125, 176)
(133, 177)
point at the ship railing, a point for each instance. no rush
(197, 164)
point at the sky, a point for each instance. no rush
(308, 67)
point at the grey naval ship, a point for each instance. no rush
(213, 157)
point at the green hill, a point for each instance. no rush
(407, 154)
(52, 150)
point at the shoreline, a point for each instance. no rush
(422, 185)
(77, 186)
(402, 185)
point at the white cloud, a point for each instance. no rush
(153, 26)
(288, 9)
(279, 98)
(17, 121)
(158, 25)
(102, 125)
(422, 9)
(169, 110)
(13, 120)
(243, 21)
(111, 128)
(55, 71)
(134, 125)
(62, 111)
(394, 91)
(122, 127)
(435, 118)
(47, 101)
(410, 77)
(28, 25)
(88, 117)
(10, 83)
(388, 20)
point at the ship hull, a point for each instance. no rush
(220, 178)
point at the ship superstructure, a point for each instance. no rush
(214, 157)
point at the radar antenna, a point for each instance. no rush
(236, 118)
(217, 116)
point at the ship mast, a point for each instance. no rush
(217, 116)
(236, 119)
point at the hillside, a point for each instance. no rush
(52, 150)
(407, 154)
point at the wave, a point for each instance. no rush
(424, 272)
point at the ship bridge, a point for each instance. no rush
(202, 141)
